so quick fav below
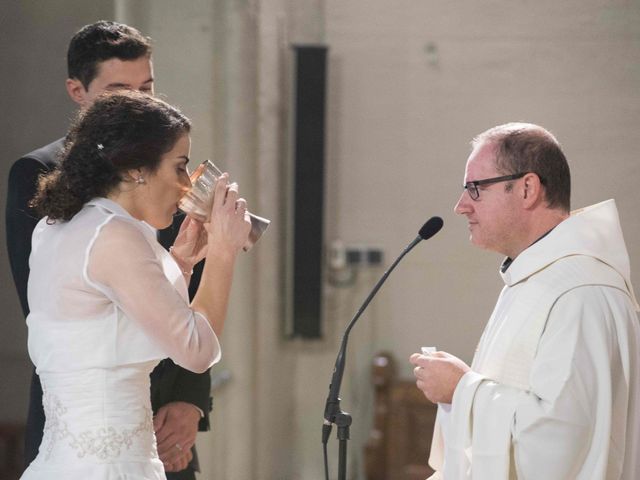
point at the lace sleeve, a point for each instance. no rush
(123, 265)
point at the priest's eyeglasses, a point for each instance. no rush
(472, 187)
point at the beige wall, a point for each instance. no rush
(409, 84)
(34, 111)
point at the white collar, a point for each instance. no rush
(118, 210)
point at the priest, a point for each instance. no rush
(553, 391)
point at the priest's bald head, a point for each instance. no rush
(517, 187)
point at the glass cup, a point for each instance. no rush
(197, 202)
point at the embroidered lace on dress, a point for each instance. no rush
(102, 443)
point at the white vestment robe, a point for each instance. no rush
(554, 390)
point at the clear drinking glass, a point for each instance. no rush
(197, 202)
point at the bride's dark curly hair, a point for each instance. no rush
(121, 131)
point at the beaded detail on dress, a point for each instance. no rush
(104, 443)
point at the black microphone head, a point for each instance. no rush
(430, 228)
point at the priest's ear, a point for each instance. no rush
(532, 190)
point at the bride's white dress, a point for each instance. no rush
(107, 303)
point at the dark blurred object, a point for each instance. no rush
(309, 102)
(11, 450)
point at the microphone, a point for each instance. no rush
(332, 406)
(430, 228)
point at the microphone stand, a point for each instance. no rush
(333, 414)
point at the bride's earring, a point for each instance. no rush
(140, 180)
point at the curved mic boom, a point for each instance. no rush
(332, 406)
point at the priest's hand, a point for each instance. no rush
(438, 374)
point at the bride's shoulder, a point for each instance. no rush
(124, 233)
(118, 246)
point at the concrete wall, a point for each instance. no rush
(409, 84)
(35, 110)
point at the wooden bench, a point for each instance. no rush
(399, 443)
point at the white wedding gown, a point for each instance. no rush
(107, 303)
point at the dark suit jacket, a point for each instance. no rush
(169, 382)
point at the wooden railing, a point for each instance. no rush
(400, 440)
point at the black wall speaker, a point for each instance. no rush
(310, 72)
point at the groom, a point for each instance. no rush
(108, 56)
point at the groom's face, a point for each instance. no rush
(114, 74)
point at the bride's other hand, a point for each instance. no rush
(190, 245)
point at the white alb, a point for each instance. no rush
(554, 390)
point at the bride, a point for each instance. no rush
(107, 301)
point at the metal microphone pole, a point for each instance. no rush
(333, 414)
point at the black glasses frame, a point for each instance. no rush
(472, 187)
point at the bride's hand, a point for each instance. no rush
(190, 245)
(230, 223)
